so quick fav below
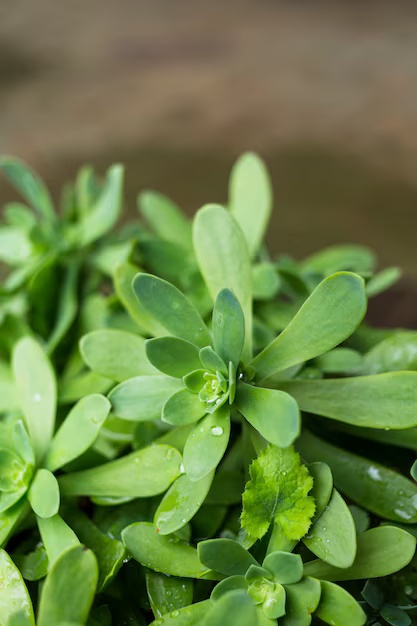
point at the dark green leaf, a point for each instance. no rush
(173, 356)
(168, 593)
(225, 556)
(228, 327)
(338, 608)
(142, 398)
(236, 607)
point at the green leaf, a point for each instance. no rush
(167, 593)
(302, 599)
(236, 607)
(250, 198)
(105, 212)
(341, 258)
(165, 218)
(286, 568)
(380, 401)
(382, 281)
(224, 261)
(228, 327)
(322, 486)
(333, 536)
(338, 608)
(36, 387)
(181, 503)
(211, 361)
(273, 413)
(69, 588)
(171, 309)
(225, 556)
(57, 536)
(340, 361)
(192, 615)
(133, 475)
(173, 356)
(67, 307)
(78, 431)
(277, 492)
(142, 398)
(160, 553)
(14, 596)
(398, 352)
(207, 443)
(34, 565)
(183, 407)
(377, 488)
(266, 282)
(115, 354)
(44, 494)
(381, 551)
(10, 518)
(29, 185)
(15, 246)
(327, 317)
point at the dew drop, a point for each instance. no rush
(168, 593)
(183, 521)
(182, 468)
(284, 473)
(216, 431)
(169, 453)
(175, 613)
(324, 528)
(37, 397)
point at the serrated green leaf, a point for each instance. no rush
(277, 492)
(173, 356)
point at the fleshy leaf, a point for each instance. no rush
(69, 588)
(36, 387)
(170, 308)
(225, 556)
(15, 245)
(14, 597)
(286, 568)
(250, 198)
(187, 616)
(340, 361)
(166, 219)
(168, 593)
(343, 257)
(115, 354)
(301, 602)
(396, 353)
(173, 356)
(236, 607)
(272, 412)
(44, 494)
(224, 261)
(327, 317)
(277, 492)
(207, 443)
(29, 185)
(183, 407)
(266, 281)
(142, 398)
(228, 327)
(57, 536)
(337, 607)
(382, 281)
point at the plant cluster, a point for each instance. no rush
(192, 431)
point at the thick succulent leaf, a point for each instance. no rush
(333, 536)
(57, 536)
(236, 607)
(322, 486)
(10, 518)
(380, 401)
(163, 554)
(142, 398)
(381, 551)
(170, 308)
(29, 185)
(382, 281)
(211, 361)
(286, 568)
(69, 588)
(398, 352)
(192, 615)
(327, 317)
(377, 488)
(228, 327)
(207, 443)
(338, 608)
(224, 261)
(167, 593)
(115, 354)
(173, 356)
(67, 306)
(8, 394)
(273, 413)
(183, 407)
(14, 597)
(133, 475)
(340, 361)
(165, 218)
(302, 600)
(15, 245)
(181, 503)
(250, 198)
(225, 556)
(33, 565)
(44, 494)
(337, 258)
(36, 387)
(78, 431)
(266, 281)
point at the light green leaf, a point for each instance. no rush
(236, 607)
(133, 475)
(207, 443)
(273, 413)
(57, 536)
(381, 551)
(183, 407)
(192, 615)
(340, 361)
(10, 518)
(250, 198)
(333, 536)
(277, 492)
(29, 185)
(181, 503)
(44, 494)
(160, 553)
(225, 556)
(14, 596)
(36, 387)
(69, 588)
(302, 599)
(115, 354)
(398, 352)
(168, 593)
(382, 281)
(15, 246)
(170, 308)
(173, 356)
(341, 258)
(8, 395)
(228, 327)
(67, 307)
(322, 486)
(327, 317)
(380, 401)
(266, 281)
(377, 488)
(286, 568)
(224, 261)
(338, 608)
(165, 218)
(211, 361)
(142, 398)
(78, 431)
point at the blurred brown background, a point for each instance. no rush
(176, 89)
